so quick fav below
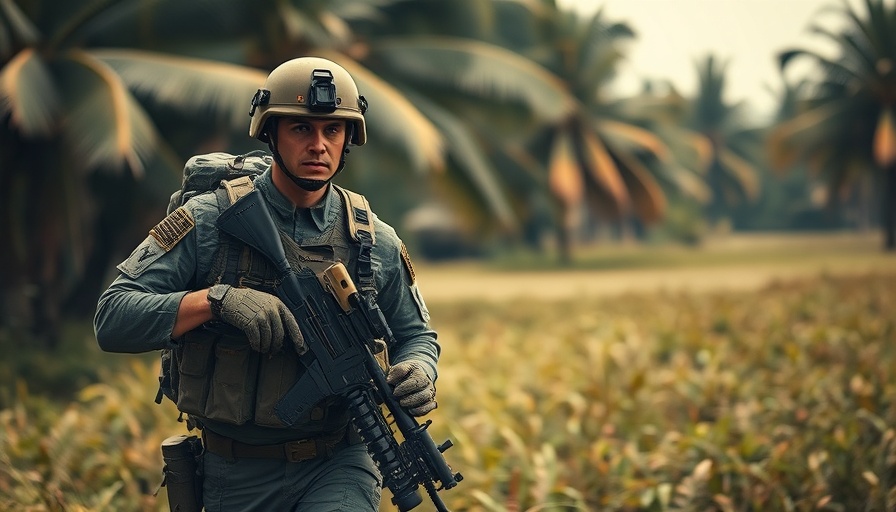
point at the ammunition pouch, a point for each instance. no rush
(182, 472)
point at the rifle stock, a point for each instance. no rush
(342, 329)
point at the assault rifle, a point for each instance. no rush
(343, 329)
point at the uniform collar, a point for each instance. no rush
(322, 214)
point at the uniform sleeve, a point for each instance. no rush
(402, 303)
(137, 312)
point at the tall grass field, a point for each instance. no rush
(771, 397)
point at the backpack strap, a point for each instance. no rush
(238, 187)
(360, 227)
(226, 194)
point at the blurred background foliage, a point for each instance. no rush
(778, 399)
(493, 134)
(492, 128)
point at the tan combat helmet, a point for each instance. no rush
(309, 86)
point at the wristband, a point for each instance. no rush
(216, 298)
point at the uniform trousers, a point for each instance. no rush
(347, 481)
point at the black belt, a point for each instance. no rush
(293, 451)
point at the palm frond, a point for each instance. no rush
(361, 10)
(633, 137)
(396, 118)
(710, 110)
(834, 69)
(877, 27)
(702, 147)
(192, 85)
(786, 57)
(885, 139)
(744, 173)
(6, 47)
(853, 51)
(463, 149)
(839, 170)
(801, 136)
(107, 128)
(685, 181)
(20, 26)
(170, 24)
(536, 7)
(564, 178)
(648, 198)
(600, 49)
(29, 95)
(478, 69)
(84, 14)
(322, 29)
(526, 167)
(604, 172)
(691, 150)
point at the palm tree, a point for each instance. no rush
(125, 87)
(790, 198)
(445, 59)
(846, 131)
(731, 148)
(597, 158)
(66, 114)
(116, 60)
(411, 59)
(255, 37)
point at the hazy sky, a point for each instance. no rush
(672, 35)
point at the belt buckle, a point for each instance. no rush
(301, 450)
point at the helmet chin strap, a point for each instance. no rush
(308, 184)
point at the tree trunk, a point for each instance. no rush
(15, 304)
(564, 244)
(888, 207)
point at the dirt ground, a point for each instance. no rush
(726, 265)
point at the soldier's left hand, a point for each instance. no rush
(412, 387)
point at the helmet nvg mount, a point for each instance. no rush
(312, 87)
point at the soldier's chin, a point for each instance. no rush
(305, 182)
(310, 184)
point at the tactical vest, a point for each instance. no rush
(218, 376)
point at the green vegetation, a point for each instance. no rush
(778, 399)
(496, 115)
(815, 252)
(844, 129)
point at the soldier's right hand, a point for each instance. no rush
(263, 317)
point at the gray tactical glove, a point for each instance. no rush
(262, 316)
(413, 389)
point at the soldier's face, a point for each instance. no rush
(311, 147)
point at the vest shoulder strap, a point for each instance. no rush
(360, 227)
(359, 219)
(359, 215)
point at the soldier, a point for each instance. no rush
(187, 286)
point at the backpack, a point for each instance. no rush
(204, 173)
(208, 172)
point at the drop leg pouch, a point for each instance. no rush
(183, 478)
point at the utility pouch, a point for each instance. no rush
(183, 479)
